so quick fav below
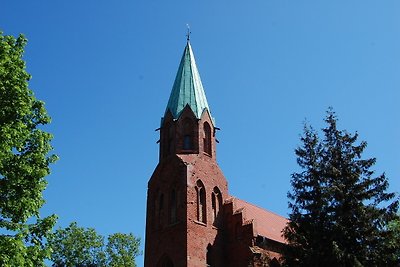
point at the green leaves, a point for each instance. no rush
(26, 247)
(24, 164)
(78, 246)
(340, 212)
(122, 249)
(24, 161)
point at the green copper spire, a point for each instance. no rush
(187, 89)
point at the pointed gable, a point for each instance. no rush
(267, 223)
(187, 88)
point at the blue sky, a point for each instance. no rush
(105, 70)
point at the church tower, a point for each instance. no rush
(186, 191)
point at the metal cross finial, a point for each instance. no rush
(188, 33)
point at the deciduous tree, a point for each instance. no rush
(122, 249)
(83, 247)
(24, 161)
(76, 246)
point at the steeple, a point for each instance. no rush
(187, 88)
(191, 219)
(187, 126)
(187, 189)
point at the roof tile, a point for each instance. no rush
(266, 223)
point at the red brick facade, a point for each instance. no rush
(191, 218)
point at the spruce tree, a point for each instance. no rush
(340, 211)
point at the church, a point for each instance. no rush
(192, 220)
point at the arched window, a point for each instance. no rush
(216, 202)
(172, 211)
(187, 134)
(214, 206)
(201, 202)
(207, 138)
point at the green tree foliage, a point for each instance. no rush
(122, 249)
(393, 244)
(24, 161)
(340, 212)
(76, 246)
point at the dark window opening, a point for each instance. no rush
(187, 134)
(201, 202)
(187, 142)
(207, 138)
(214, 206)
(216, 202)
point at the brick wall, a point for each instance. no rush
(175, 232)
